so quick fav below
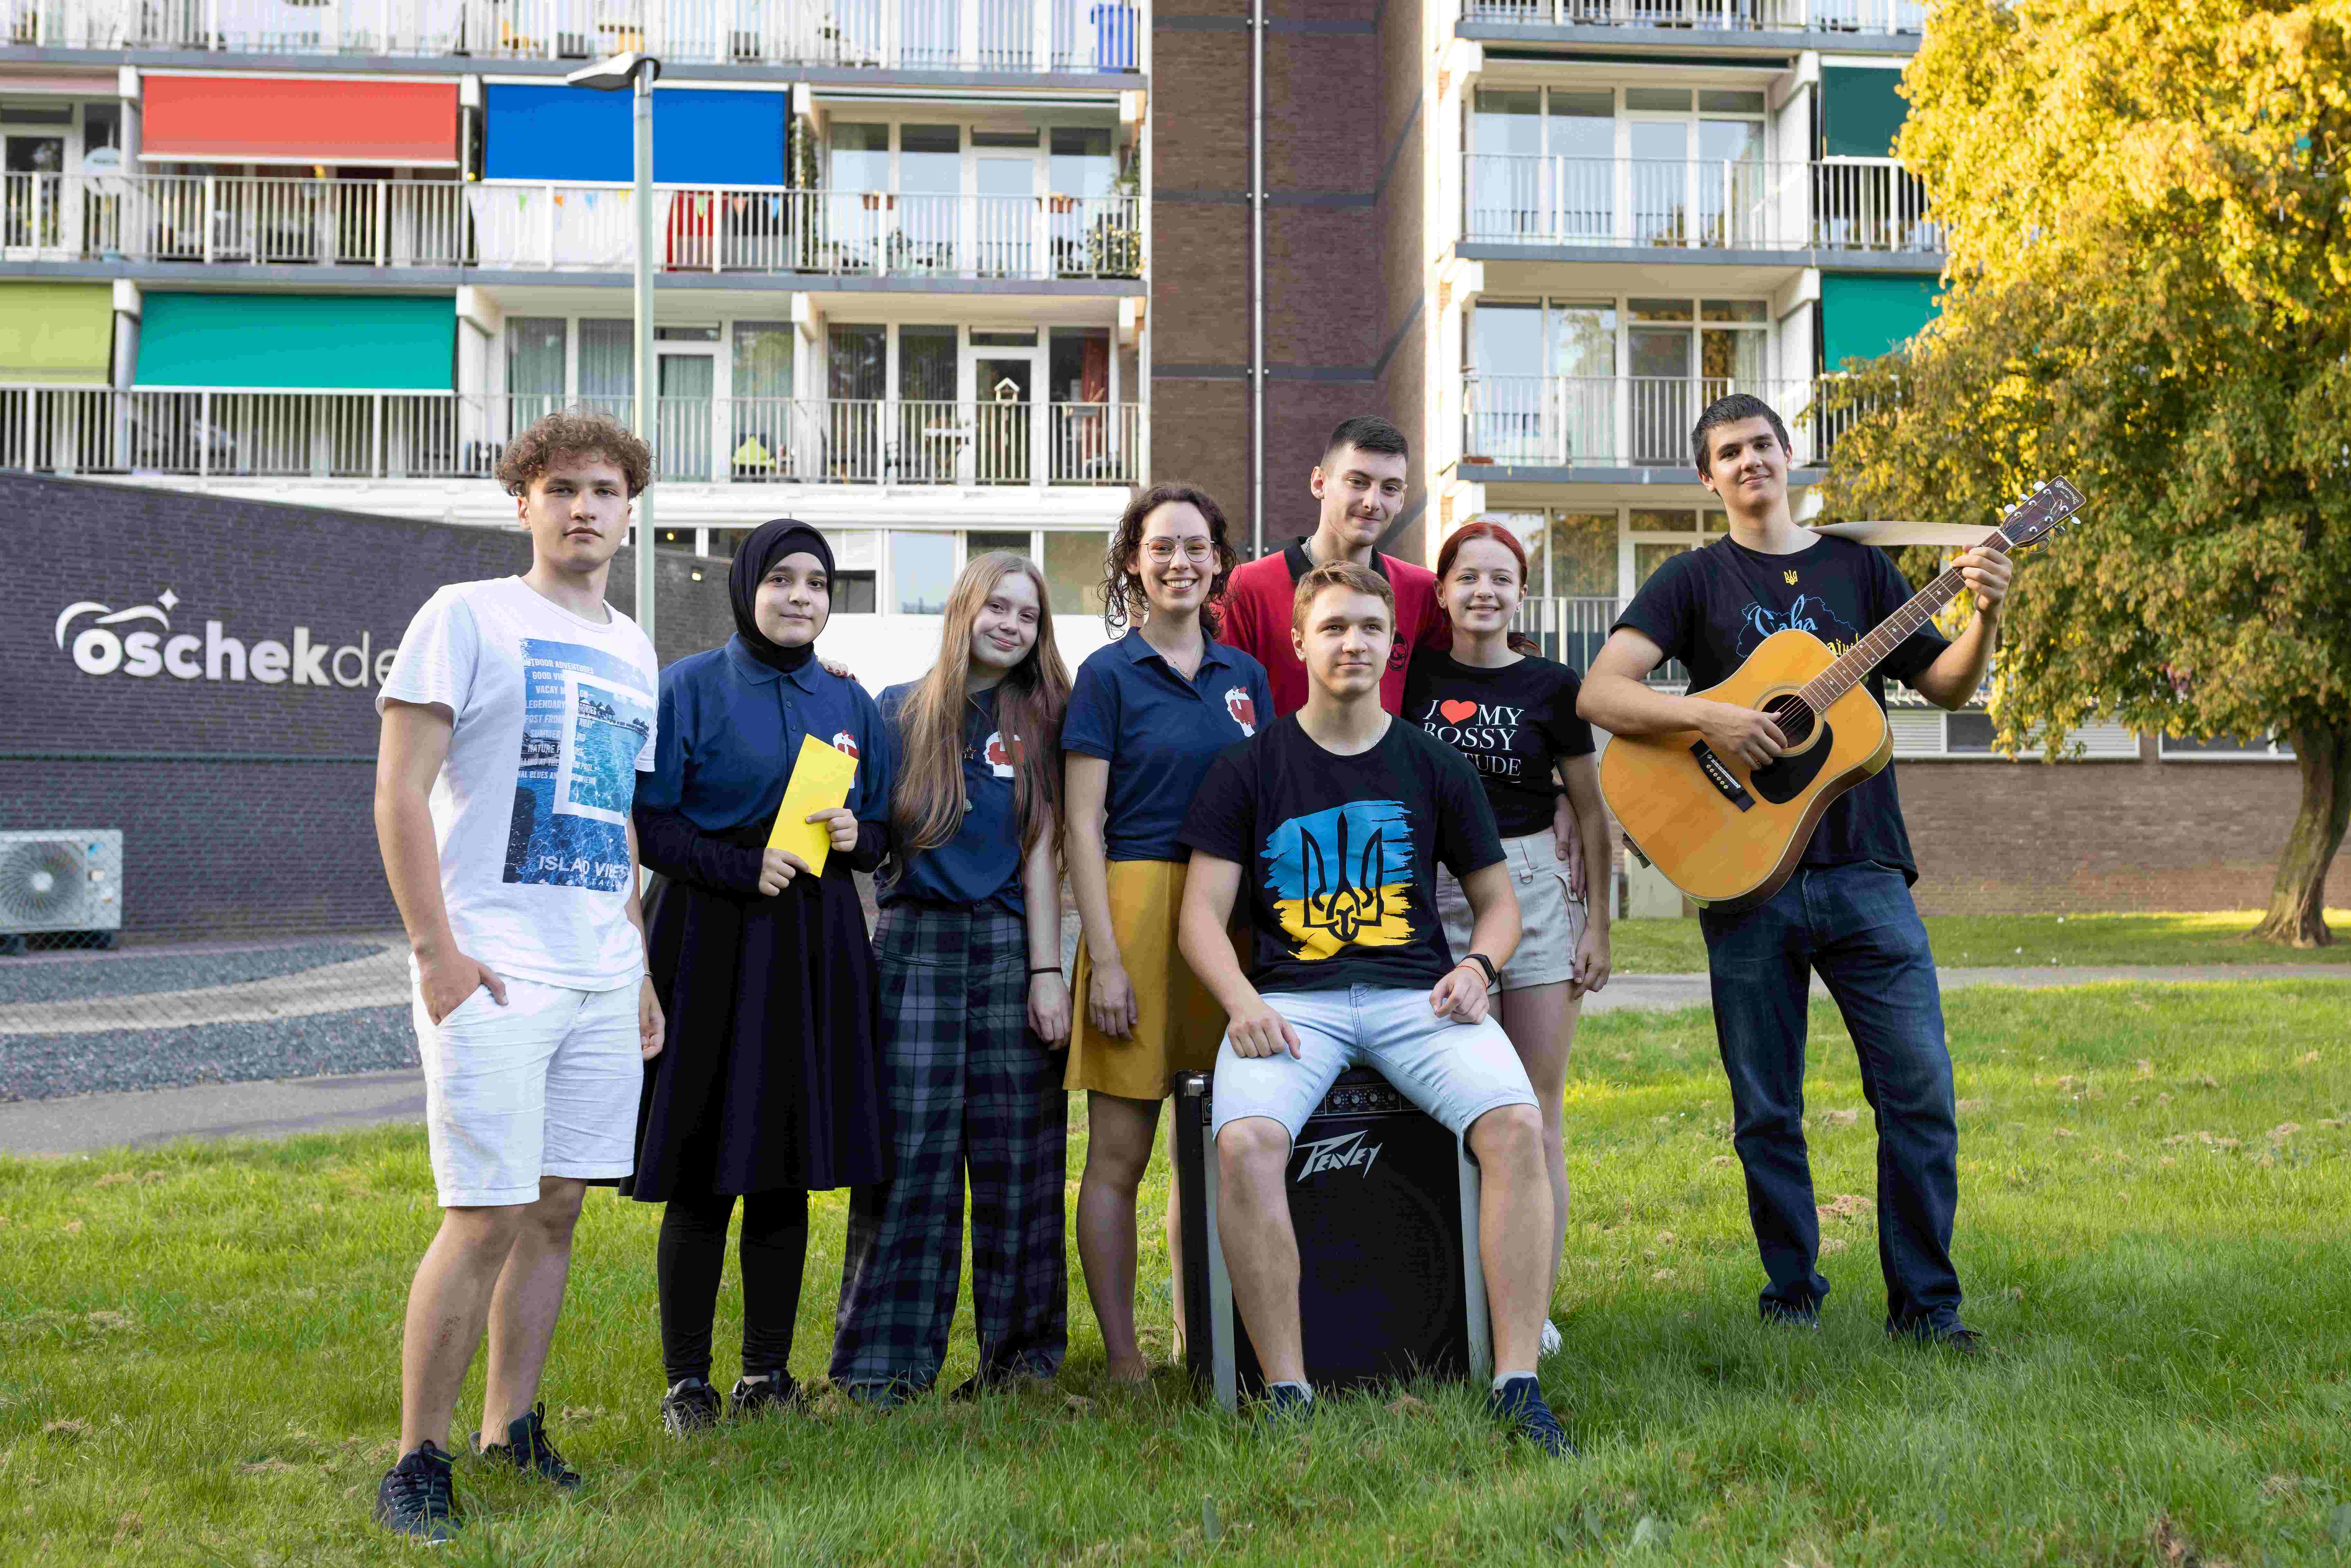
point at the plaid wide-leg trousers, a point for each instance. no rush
(970, 1088)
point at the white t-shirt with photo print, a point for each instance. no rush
(554, 720)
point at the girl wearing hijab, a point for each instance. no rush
(974, 1000)
(770, 1086)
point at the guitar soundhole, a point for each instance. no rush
(1793, 715)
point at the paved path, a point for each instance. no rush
(287, 1106)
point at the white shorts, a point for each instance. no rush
(1551, 924)
(544, 1086)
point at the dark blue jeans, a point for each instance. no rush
(1856, 925)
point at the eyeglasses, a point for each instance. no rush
(1195, 550)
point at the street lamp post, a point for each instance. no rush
(635, 72)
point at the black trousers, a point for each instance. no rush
(691, 1256)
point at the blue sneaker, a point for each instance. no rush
(1286, 1404)
(1519, 1403)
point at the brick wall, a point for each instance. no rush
(1342, 261)
(243, 845)
(2010, 838)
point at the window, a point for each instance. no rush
(686, 334)
(1074, 570)
(1920, 730)
(856, 363)
(1080, 162)
(921, 571)
(859, 157)
(930, 160)
(977, 544)
(608, 363)
(535, 347)
(2224, 748)
(853, 593)
(763, 359)
(1568, 166)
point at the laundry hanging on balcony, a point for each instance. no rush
(534, 227)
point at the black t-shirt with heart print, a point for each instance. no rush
(1515, 723)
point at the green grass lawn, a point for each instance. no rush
(198, 1351)
(1990, 941)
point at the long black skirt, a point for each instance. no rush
(771, 1075)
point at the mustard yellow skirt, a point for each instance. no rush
(1179, 1025)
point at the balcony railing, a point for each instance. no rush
(1627, 422)
(229, 433)
(441, 222)
(933, 34)
(1572, 629)
(1723, 16)
(1842, 203)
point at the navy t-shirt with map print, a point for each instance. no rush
(1339, 854)
(1711, 608)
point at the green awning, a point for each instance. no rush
(1864, 314)
(1860, 111)
(56, 333)
(390, 342)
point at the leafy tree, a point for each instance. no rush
(2150, 252)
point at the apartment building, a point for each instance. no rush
(337, 253)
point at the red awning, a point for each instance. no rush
(298, 120)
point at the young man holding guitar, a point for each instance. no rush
(1844, 909)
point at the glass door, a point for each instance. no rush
(1004, 427)
(1005, 180)
(685, 437)
(1662, 393)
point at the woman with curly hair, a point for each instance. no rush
(973, 1003)
(1147, 715)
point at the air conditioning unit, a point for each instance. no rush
(60, 880)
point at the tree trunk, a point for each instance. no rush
(2297, 914)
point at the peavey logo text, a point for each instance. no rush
(1347, 1153)
(100, 649)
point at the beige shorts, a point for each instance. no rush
(1549, 922)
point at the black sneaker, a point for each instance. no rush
(1286, 1404)
(691, 1406)
(1786, 1315)
(777, 1391)
(1518, 1403)
(418, 1499)
(1956, 1338)
(526, 1449)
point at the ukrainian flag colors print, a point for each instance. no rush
(1343, 878)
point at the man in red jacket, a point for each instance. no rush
(1360, 483)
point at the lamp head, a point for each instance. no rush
(616, 75)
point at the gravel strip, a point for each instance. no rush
(43, 1066)
(133, 975)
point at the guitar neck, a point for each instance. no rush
(1852, 666)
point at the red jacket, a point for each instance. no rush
(1257, 620)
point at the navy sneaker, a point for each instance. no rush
(526, 1449)
(1286, 1404)
(418, 1497)
(691, 1406)
(1789, 1315)
(761, 1397)
(1519, 1403)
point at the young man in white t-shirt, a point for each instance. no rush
(518, 713)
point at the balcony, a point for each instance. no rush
(1881, 17)
(918, 35)
(1627, 422)
(1837, 204)
(1572, 629)
(226, 434)
(203, 218)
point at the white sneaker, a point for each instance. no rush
(1550, 1340)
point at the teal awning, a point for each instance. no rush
(1860, 111)
(390, 342)
(1864, 314)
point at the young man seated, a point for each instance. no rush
(1338, 814)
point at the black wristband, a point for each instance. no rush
(1483, 962)
(1037, 969)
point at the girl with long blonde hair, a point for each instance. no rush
(974, 1003)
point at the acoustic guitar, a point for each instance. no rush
(1728, 835)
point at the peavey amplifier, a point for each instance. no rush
(1385, 1201)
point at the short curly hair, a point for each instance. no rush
(574, 432)
(1123, 598)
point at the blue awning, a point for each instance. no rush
(701, 136)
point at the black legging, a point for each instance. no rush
(692, 1253)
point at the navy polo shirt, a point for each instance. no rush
(1159, 733)
(730, 731)
(980, 867)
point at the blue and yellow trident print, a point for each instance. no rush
(1343, 878)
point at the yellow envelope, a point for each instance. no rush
(820, 782)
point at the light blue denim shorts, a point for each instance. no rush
(1455, 1071)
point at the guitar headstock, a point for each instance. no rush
(2048, 509)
